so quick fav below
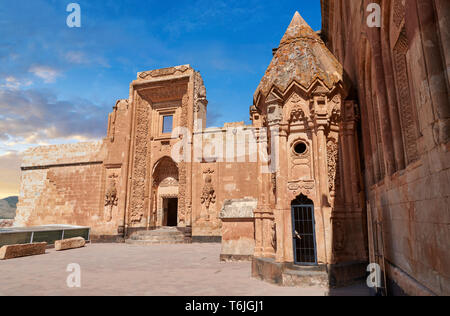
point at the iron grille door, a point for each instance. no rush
(304, 234)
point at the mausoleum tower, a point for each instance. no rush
(310, 200)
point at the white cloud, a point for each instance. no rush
(14, 84)
(76, 57)
(46, 73)
(37, 117)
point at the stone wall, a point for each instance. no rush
(64, 185)
(231, 178)
(399, 72)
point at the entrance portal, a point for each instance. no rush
(304, 234)
(171, 212)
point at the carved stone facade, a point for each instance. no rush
(328, 148)
(310, 127)
(400, 73)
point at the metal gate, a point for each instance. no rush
(304, 234)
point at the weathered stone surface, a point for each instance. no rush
(17, 251)
(71, 243)
(238, 241)
(165, 235)
(301, 57)
(242, 208)
(400, 72)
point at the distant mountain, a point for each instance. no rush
(8, 207)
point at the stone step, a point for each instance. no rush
(156, 238)
(317, 268)
(164, 235)
(304, 278)
(149, 243)
(150, 234)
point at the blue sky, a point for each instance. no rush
(57, 84)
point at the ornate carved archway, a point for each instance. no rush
(165, 184)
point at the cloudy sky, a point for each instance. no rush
(57, 84)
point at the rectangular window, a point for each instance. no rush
(167, 124)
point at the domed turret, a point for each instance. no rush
(301, 57)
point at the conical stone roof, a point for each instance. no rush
(302, 57)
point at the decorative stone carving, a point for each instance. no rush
(243, 208)
(140, 161)
(332, 158)
(274, 236)
(111, 198)
(335, 115)
(399, 12)
(208, 171)
(200, 100)
(163, 72)
(297, 112)
(408, 124)
(166, 173)
(184, 201)
(209, 194)
(273, 178)
(304, 187)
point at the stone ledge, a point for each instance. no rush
(288, 274)
(72, 243)
(25, 250)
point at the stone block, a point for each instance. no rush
(25, 250)
(72, 243)
(243, 208)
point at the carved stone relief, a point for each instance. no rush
(184, 202)
(111, 197)
(208, 194)
(332, 158)
(297, 112)
(409, 127)
(140, 161)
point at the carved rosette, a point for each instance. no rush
(140, 162)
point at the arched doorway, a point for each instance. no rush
(303, 231)
(165, 190)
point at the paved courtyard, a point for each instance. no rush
(120, 269)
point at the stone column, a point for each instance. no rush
(258, 212)
(321, 122)
(350, 144)
(282, 209)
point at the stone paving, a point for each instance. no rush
(120, 269)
